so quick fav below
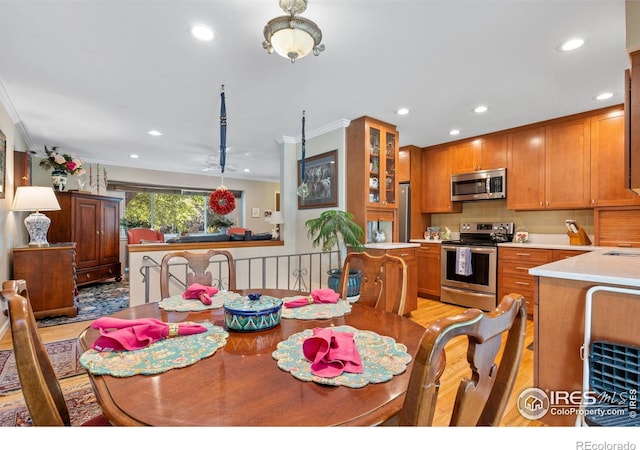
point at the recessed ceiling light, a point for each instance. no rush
(134, 156)
(202, 32)
(480, 109)
(155, 133)
(402, 111)
(604, 96)
(454, 132)
(572, 44)
(247, 170)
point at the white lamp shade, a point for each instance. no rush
(292, 40)
(276, 218)
(35, 198)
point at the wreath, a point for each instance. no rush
(222, 201)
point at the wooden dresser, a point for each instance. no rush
(93, 223)
(50, 276)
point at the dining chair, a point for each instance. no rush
(196, 267)
(481, 399)
(40, 387)
(383, 281)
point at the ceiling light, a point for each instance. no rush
(202, 32)
(572, 44)
(454, 132)
(402, 111)
(155, 133)
(604, 96)
(292, 36)
(247, 170)
(480, 109)
(134, 156)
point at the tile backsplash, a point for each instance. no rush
(539, 222)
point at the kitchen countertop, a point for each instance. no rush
(391, 245)
(597, 266)
(550, 246)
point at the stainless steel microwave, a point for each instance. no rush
(480, 185)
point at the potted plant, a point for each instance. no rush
(335, 228)
(221, 223)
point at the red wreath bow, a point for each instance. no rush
(222, 201)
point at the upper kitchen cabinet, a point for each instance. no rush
(550, 167)
(404, 164)
(435, 181)
(372, 160)
(483, 153)
(632, 124)
(608, 183)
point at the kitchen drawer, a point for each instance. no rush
(426, 249)
(534, 255)
(408, 254)
(523, 285)
(557, 255)
(516, 267)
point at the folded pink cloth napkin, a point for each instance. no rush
(331, 353)
(317, 296)
(200, 292)
(140, 333)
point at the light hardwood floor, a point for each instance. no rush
(427, 312)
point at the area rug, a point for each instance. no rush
(96, 300)
(64, 357)
(80, 400)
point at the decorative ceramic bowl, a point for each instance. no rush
(256, 312)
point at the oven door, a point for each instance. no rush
(483, 269)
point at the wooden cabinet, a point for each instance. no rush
(408, 254)
(435, 181)
(617, 227)
(632, 124)
(428, 256)
(608, 184)
(404, 164)
(483, 153)
(93, 222)
(550, 167)
(372, 183)
(50, 276)
(513, 269)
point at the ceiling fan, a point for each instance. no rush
(212, 163)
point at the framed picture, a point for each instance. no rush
(255, 212)
(321, 175)
(3, 164)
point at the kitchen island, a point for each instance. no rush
(559, 317)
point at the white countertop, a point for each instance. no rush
(596, 266)
(391, 245)
(427, 241)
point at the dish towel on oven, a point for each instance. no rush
(463, 261)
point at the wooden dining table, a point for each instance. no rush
(241, 383)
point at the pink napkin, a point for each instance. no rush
(317, 296)
(139, 333)
(200, 292)
(331, 353)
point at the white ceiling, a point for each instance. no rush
(93, 76)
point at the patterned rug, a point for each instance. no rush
(64, 357)
(80, 400)
(96, 300)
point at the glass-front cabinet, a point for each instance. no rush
(383, 154)
(371, 179)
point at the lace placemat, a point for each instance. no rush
(316, 310)
(177, 303)
(382, 358)
(167, 354)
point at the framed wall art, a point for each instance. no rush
(321, 175)
(3, 164)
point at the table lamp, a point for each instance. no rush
(276, 220)
(36, 198)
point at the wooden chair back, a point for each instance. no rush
(196, 267)
(40, 387)
(482, 398)
(383, 282)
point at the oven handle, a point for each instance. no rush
(467, 292)
(486, 250)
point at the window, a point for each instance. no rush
(173, 211)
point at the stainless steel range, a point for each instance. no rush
(469, 265)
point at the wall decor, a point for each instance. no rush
(321, 175)
(255, 212)
(3, 164)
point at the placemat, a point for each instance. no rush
(167, 354)
(316, 310)
(177, 303)
(382, 358)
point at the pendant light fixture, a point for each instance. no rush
(292, 36)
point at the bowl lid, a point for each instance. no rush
(252, 303)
